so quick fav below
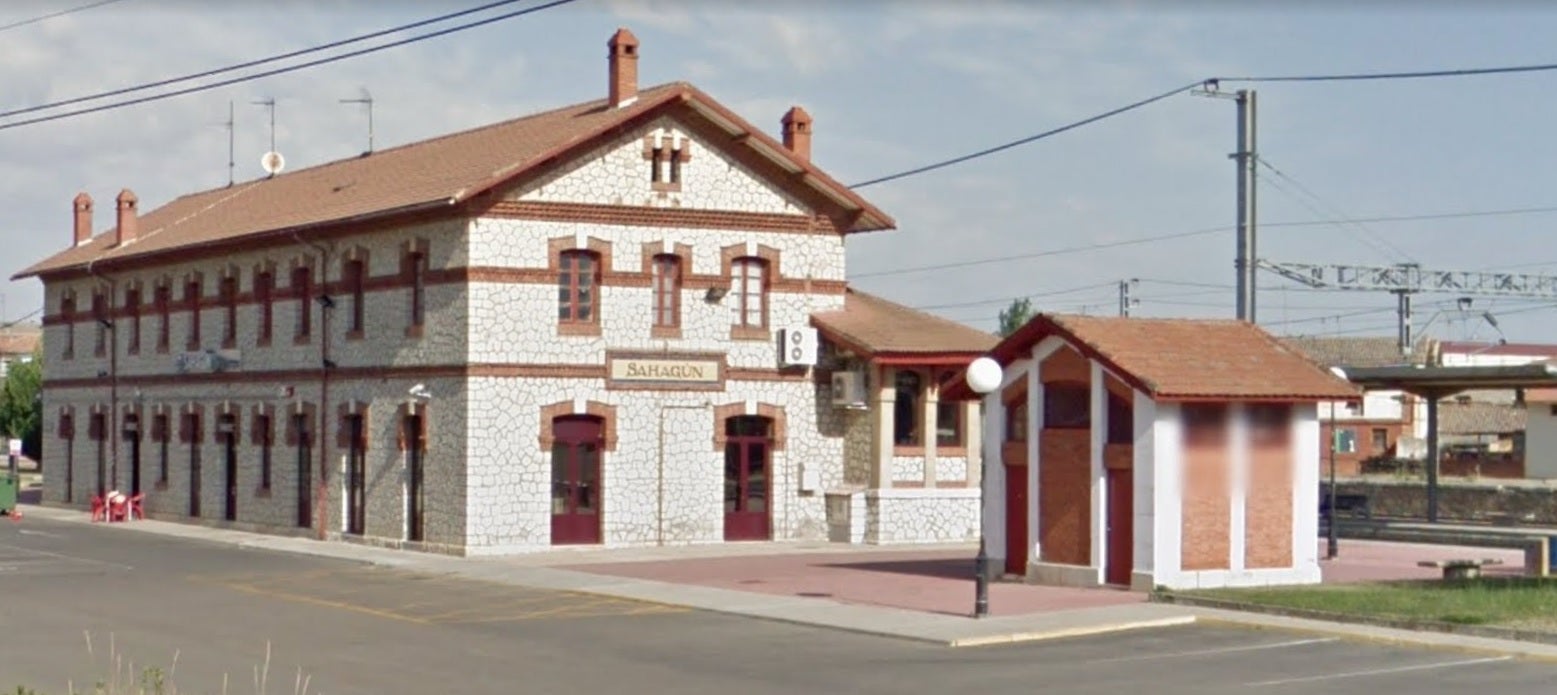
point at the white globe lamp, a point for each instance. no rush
(984, 375)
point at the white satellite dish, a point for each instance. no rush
(273, 163)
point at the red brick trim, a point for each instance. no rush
(131, 414)
(65, 425)
(68, 316)
(404, 412)
(97, 423)
(161, 424)
(262, 424)
(162, 305)
(675, 218)
(193, 296)
(780, 431)
(602, 253)
(343, 429)
(190, 423)
(407, 281)
(606, 413)
(342, 288)
(101, 301)
(310, 413)
(342, 374)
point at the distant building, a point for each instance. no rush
(1385, 424)
(18, 344)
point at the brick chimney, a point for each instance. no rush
(624, 68)
(127, 222)
(83, 210)
(797, 132)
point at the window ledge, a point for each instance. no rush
(160, 486)
(302, 340)
(230, 344)
(665, 332)
(951, 451)
(578, 328)
(355, 335)
(900, 450)
(414, 331)
(666, 186)
(262, 342)
(739, 332)
(262, 492)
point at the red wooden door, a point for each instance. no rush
(747, 476)
(1016, 520)
(1121, 537)
(575, 480)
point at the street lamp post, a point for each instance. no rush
(984, 376)
(1332, 545)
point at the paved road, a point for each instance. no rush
(359, 629)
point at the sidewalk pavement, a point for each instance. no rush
(934, 628)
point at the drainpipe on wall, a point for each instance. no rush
(660, 473)
(322, 490)
(110, 424)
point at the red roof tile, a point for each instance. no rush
(879, 327)
(438, 173)
(1184, 359)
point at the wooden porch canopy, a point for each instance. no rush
(1435, 383)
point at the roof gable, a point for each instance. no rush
(1184, 359)
(439, 174)
(878, 327)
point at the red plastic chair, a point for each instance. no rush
(119, 509)
(99, 510)
(135, 506)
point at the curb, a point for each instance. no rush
(1071, 632)
(1425, 626)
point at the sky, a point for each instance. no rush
(893, 86)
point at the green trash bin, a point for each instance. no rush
(8, 485)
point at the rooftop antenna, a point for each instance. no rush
(231, 134)
(367, 100)
(272, 160)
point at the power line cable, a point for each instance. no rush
(1041, 254)
(253, 63)
(1052, 293)
(52, 15)
(290, 68)
(1344, 219)
(1461, 72)
(1023, 141)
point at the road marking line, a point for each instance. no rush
(1383, 671)
(29, 532)
(70, 558)
(1222, 650)
(283, 596)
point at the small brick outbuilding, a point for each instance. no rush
(1153, 452)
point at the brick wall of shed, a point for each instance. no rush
(1064, 496)
(1268, 507)
(1207, 503)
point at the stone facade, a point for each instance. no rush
(490, 370)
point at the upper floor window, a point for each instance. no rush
(356, 286)
(1016, 420)
(132, 307)
(578, 287)
(302, 288)
(100, 323)
(667, 291)
(750, 287)
(1067, 406)
(418, 263)
(229, 292)
(192, 300)
(163, 297)
(67, 310)
(264, 295)
(665, 160)
(1121, 420)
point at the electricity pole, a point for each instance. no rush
(1125, 302)
(1246, 157)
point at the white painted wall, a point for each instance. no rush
(1540, 440)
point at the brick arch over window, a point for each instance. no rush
(227, 409)
(310, 413)
(406, 410)
(606, 413)
(190, 428)
(772, 412)
(571, 317)
(343, 429)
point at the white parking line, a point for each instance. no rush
(1221, 650)
(58, 556)
(1383, 671)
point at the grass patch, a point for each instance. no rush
(1515, 602)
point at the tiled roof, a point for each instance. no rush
(1534, 350)
(878, 326)
(1186, 359)
(19, 343)
(1479, 418)
(1359, 351)
(431, 174)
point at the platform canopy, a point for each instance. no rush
(1434, 383)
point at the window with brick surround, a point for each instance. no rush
(265, 296)
(99, 323)
(264, 433)
(1016, 420)
(1380, 440)
(667, 291)
(356, 286)
(749, 284)
(132, 307)
(67, 310)
(160, 431)
(192, 301)
(656, 164)
(907, 413)
(302, 289)
(418, 264)
(229, 292)
(163, 298)
(1121, 420)
(1067, 406)
(578, 287)
(948, 424)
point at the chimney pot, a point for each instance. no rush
(797, 132)
(623, 57)
(127, 222)
(83, 213)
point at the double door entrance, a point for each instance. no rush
(747, 478)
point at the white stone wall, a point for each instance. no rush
(951, 469)
(618, 174)
(921, 515)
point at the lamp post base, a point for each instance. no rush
(981, 583)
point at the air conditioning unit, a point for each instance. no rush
(849, 389)
(797, 347)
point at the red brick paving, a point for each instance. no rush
(939, 581)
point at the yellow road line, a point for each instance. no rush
(321, 602)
